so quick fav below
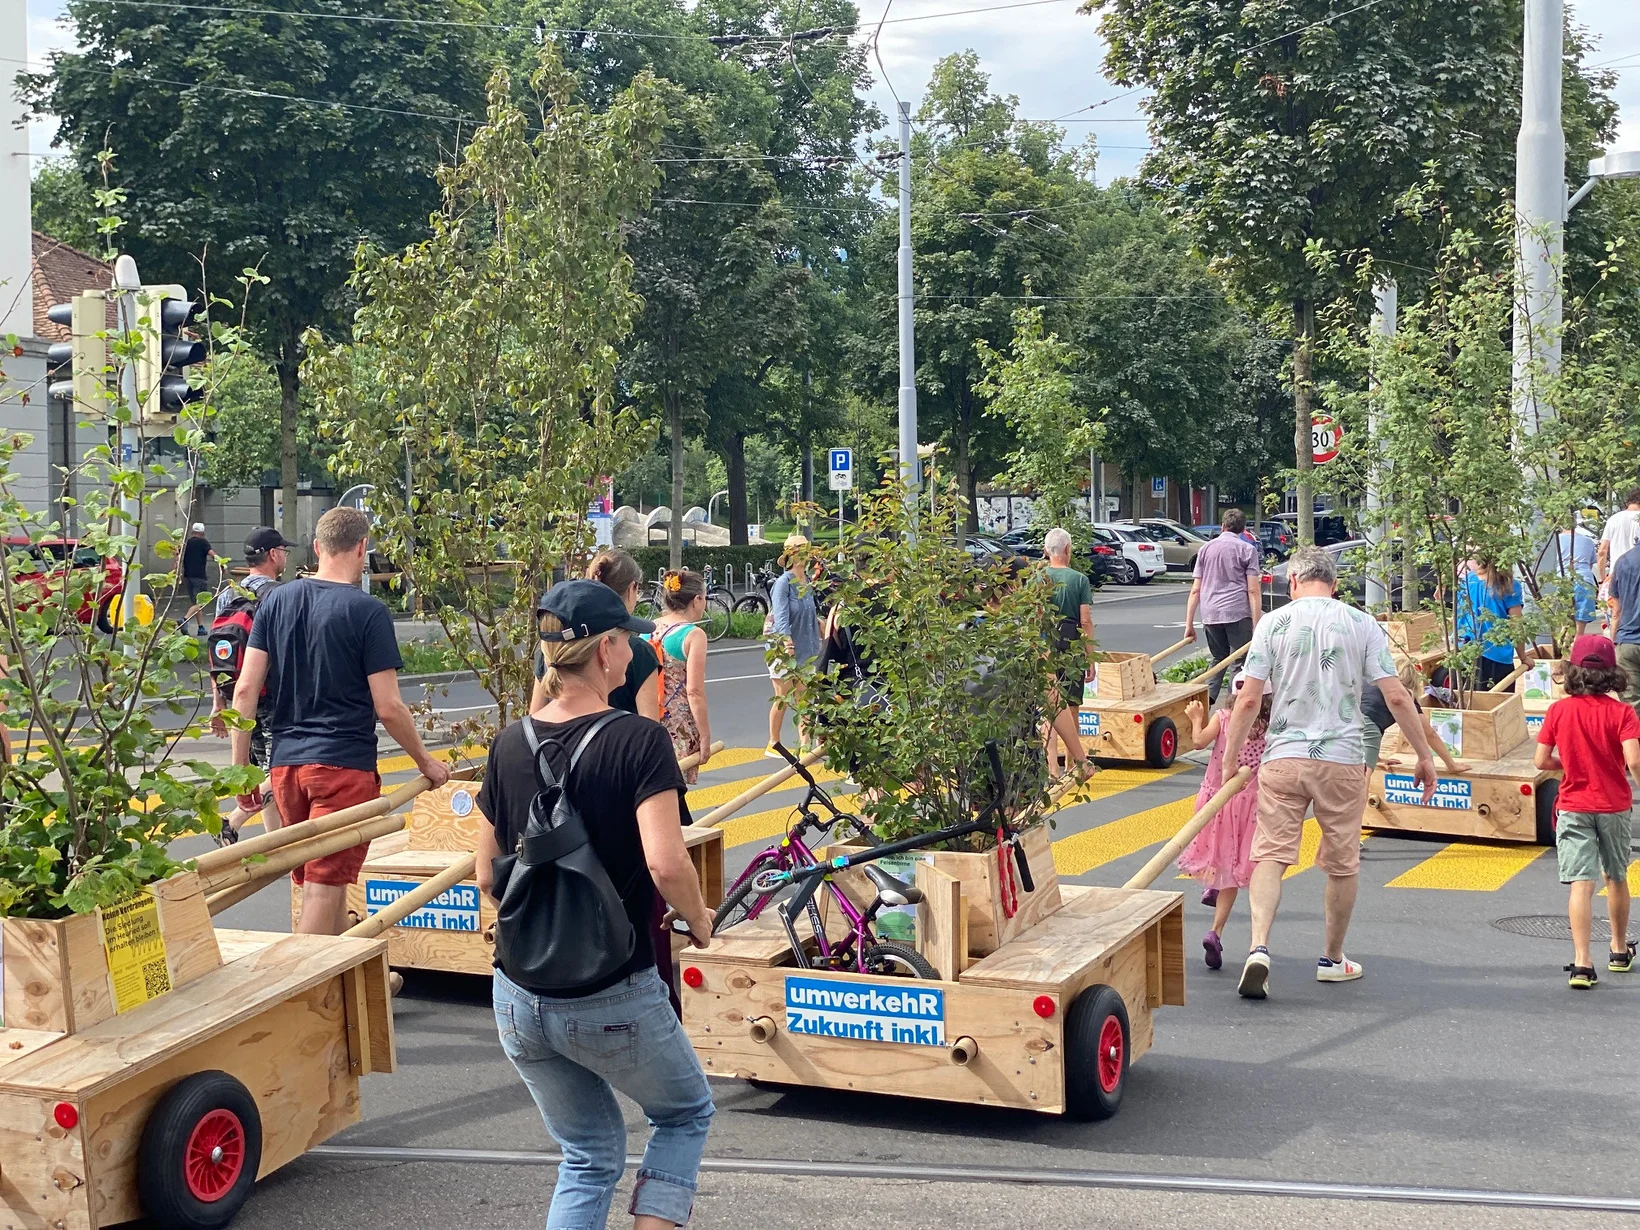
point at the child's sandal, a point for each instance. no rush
(1622, 962)
(1581, 977)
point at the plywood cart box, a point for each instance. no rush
(455, 933)
(1130, 716)
(151, 1066)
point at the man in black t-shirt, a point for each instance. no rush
(196, 563)
(329, 656)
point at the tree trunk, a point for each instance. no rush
(737, 489)
(290, 387)
(674, 531)
(1303, 342)
(969, 523)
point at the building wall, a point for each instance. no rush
(23, 409)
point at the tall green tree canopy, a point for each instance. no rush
(270, 137)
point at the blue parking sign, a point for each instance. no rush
(840, 466)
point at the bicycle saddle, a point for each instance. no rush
(892, 890)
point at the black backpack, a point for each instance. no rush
(561, 924)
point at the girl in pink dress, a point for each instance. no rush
(1219, 854)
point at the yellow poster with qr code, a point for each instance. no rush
(136, 951)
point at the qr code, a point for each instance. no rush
(156, 979)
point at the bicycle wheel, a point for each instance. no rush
(888, 959)
(649, 604)
(716, 621)
(752, 604)
(743, 900)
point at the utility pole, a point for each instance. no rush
(1540, 209)
(1386, 297)
(16, 244)
(909, 467)
(127, 284)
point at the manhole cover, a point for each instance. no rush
(1550, 927)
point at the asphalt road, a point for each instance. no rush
(1461, 1060)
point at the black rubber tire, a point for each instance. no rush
(1161, 743)
(754, 604)
(162, 1183)
(105, 621)
(900, 954)
(1127, 572)
(1544, 798)
(717, 619)
(1086, 1095)
(1145, 580)
(741, 897)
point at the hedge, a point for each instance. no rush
(653, 559)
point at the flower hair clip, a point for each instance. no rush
(674, 583)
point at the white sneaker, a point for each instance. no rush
(770, 754)
(1255, 975)
(1337, 971)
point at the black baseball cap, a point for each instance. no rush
(263, 539)
(587, 608)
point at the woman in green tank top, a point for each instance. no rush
(681, 648)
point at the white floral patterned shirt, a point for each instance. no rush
(1314, 655)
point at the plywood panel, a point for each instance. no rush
(1497, 810)
(940, 930)
(1123, 676)
(988, 928)
(190, 940)
(1056, 954)
(36, 973)
(760, 941)
(1121, 737)
(43, 1169)
(293, 1057)
(453, 952)
(445, 818)
(1019, 1062)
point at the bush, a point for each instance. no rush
(1185, 671)
(653, 559)
(430, 657)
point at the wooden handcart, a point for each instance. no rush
(1131, 716)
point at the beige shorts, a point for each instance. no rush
(1287, 789)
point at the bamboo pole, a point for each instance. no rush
(1146, 875)
(412, 901)
(217, 902)
(1230, 659)
(1513, 675)
(757, 791)
(694, 761)
(1170, 650)
(213, 862)
(292, 856)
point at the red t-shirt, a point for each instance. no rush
(1588, 732)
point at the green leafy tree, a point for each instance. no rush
(63, 206)
(274, 137)
(485, 356)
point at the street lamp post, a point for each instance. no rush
(1540, 207)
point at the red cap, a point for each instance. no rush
(1591, 650)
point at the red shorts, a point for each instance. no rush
(308, 791)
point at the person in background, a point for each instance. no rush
(1590, 738)
(1376, 718)
(1489, 595)
(196, 562)
(265, 552)
(794, 623)
(576, 1047)
(1226, 592)
(1073, 648)
(618, 570)
(328, 654)
(681, 648)
(1623, 594)
(1572, 555)
(1617, 539)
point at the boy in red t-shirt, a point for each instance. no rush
(1590, 735)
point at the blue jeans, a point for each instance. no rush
(570, 1052)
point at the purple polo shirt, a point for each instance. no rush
(1223, 567)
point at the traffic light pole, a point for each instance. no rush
(127, 285)
(909, 464)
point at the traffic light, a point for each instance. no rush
(162, 376)
(78, 368)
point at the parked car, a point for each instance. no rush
(1352, 558)
(1023, 541)
(1330, 528)
(1179, 545)
(1103, 559)
(1207, 532)
(1276, 538)
(1141, 555)
(41, 566)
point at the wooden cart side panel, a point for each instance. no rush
(445, 818)
(705, 845)
(36, 970)
(1171, 930)
(941, 933)
(1497, 811)
(43, 1172)
(1122, 738)
(1019, 1063)
(190, 939)
(452, 952)
(1128, 970)
(383, 1043)
(293, 1057)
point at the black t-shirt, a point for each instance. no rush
(643, 665)
(196, 554)
(629, 761)
(324, 640)
(1376, 708)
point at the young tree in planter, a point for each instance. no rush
(955, 654)
(94, 792)
(485, 358)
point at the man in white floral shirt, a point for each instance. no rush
(1313, 656)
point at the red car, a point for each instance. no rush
(51, 556)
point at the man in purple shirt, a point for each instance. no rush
(1226, 593)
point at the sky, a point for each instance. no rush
(1046, 54)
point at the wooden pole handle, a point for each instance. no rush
(412, 901)
(1229, 660)
(1171, 650)
(758, 790)
(213, 862)
(1146, 875)
(1513, 675)
(294, 855)
(694, 760)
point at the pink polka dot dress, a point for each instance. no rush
(1219, 854)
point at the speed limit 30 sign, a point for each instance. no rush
(1324, 438)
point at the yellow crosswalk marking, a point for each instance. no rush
(1082, 852)
(1309, 845)
(397, 764)
(707, 797)
(733, 757)
(766, 825)
(1467, 867)
(1634, 884)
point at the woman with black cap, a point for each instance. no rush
(575, 1046)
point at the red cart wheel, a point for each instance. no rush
(1097, 1052)
(1161, 743)
(200, 1151)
